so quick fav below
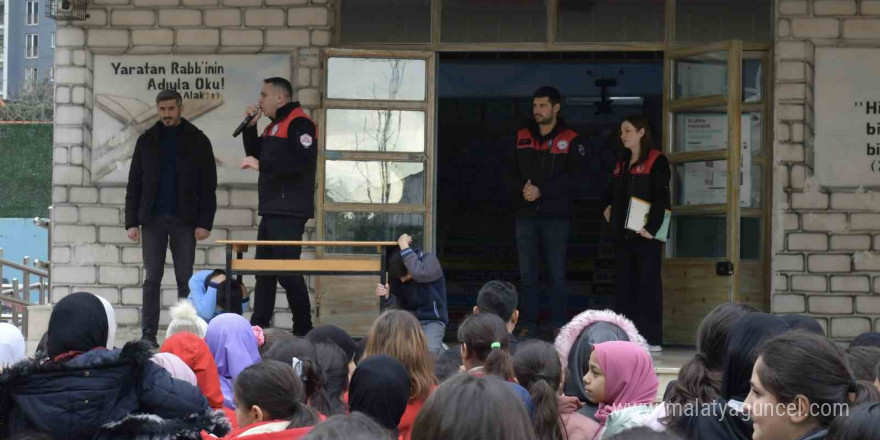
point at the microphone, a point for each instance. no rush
(244, 123)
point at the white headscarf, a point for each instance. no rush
(111, 322)
(12, 346)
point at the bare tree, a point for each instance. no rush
(385, 135)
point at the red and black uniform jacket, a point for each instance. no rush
(287, 151)
(553, 163)
(649, 181)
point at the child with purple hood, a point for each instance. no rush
(231, 340)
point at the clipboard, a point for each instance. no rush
(637, 217)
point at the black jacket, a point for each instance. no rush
(288, 155)
(75, 399)
(553, 163)
(648, 181)
(196, 178)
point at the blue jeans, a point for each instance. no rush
(532, 236)
(434, 331)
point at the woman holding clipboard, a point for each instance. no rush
(637, 212)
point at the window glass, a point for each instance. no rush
(386, 21)
(371, 226)
(376, 78)
(375, 130)
(700, 75)
(699, 236)
(349, 181)
(494, 21)
(701, 21)
(582, 21)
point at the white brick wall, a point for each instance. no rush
(829, 263)
(91, 250)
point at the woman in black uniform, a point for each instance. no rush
(641, 171)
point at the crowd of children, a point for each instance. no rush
(754, 376)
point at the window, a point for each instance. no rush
(52, 74)
(33, 12)
(698, 21)
(492, 21)
(53, 40)
(386, 21)
(611, 20)
(30, 78)
(377, 166)
(33, 46)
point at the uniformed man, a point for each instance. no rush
(545, 179)
(285, 155)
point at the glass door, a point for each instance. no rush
(375, 166)
(710, 142)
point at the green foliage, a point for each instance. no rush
(33, 104)
(25, 170)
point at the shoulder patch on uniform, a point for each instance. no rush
(305, 140)
(274, 130)
(525, 141)
(582, 150)
(562, 145)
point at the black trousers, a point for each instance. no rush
(156, 236)
(276, 227)
(639, 293)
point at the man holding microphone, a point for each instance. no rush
(285, 155)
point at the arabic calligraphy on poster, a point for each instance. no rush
(215, 90)
(706, 182)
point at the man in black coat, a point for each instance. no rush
(171, 196)
(285, 155)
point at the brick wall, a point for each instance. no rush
(826, 241)
(90, 250)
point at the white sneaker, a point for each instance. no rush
(655, 348)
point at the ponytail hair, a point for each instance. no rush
(302, 356)
(827, 381)
(537, 368)
(863, 392)
(334, 363)
(699, 379)
(488, 343)
(863, 422)
(275, 388)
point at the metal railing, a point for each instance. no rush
(16, 296)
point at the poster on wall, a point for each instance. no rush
(215, 89)
(706, 182)
(847, 141)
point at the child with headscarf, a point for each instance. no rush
(193, 351)
(234, 346)
(621, 380)
(176, 367)
(380, 388)
(12, 346)
(575, 346)
(127, 394)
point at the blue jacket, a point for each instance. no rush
(74, 399)
(205, 300)
(425, 295)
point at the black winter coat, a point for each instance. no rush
(196, 178)
(74, 399)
